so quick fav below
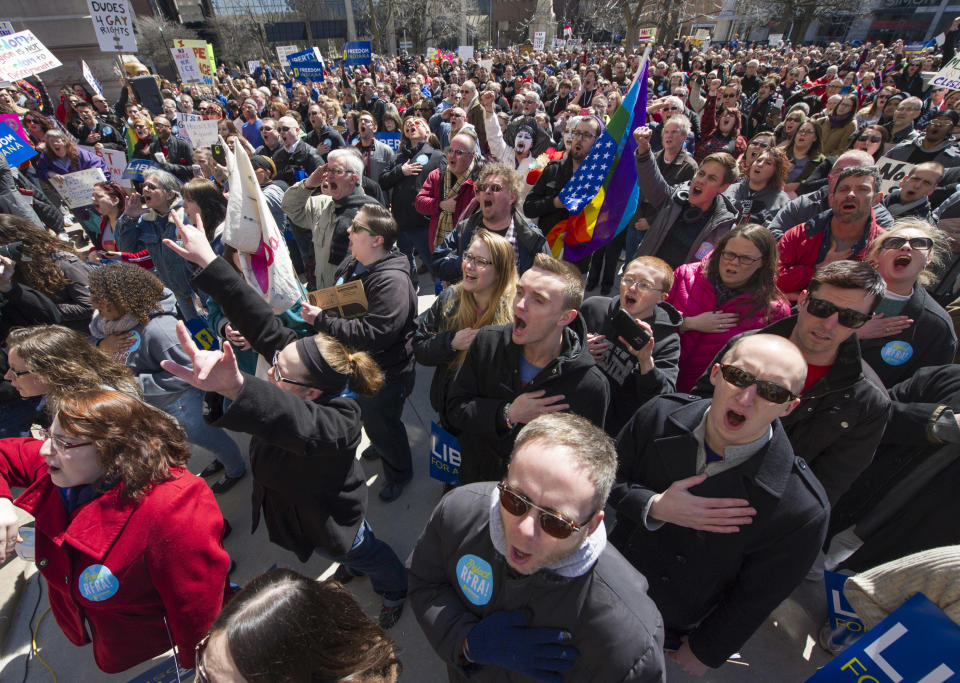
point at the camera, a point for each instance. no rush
(14, 252)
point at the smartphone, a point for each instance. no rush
(197, 171)
(628, 328)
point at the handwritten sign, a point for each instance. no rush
(204, 56)
(283, 51)
(115, 161)
(187, 65)
(949, 76)
(22, 55)
(113, 24)
(76, 188)
(892, 171)
(539, 39)
(202, 133)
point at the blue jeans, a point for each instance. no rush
(419, 239)
(371, 556)
(634, 238)
(188, 409)
(383, 420)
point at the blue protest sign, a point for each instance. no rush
(12, 146)
(306, 65)
(918, 642)
(444, 455)
(357, 53)
(164, 672)
(845, 625)
(202, 334)
(391, 139)
(137, 167)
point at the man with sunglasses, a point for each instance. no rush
(537, 591)
(712, 505)
(844, 404)
(294, 158)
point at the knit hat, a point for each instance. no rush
(265, 163)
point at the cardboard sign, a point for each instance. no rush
(918, 642)
(539, 39)
(389, 138)
(357, 53)
(347, 300)
(115, 161)
(203, 52)
(90, 78)
(22, 55)
(202, 133)
(948, 76)
(892, 172)
(307, 65)
(182, 119)
(444, 455)
(14, 148)
(113, 24)
(137, 167)
(76, 188)
(187, 65)
(283, 51)
(845, 625)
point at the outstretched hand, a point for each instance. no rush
(191, 242)
(214, 371)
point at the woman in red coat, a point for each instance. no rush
(729, 292)
(129, 541)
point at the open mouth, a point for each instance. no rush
(848, 206)
(519, 323)
(902, 261)
(629, 300)
(733, 419)
(517, 556)
(695, 191)
(487, 203)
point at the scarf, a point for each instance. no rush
(101, 328)
(445, 224)
(841, 121)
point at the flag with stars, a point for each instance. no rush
(602, 194)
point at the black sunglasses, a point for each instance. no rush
(870, 138)
(768, 391)
(845, 316)
(552, 523)
(918, 243)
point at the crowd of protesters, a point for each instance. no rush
(793, 262)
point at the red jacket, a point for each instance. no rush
(160, 557)
(428, 201)
(800, 247)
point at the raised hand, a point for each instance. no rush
(191, 242)
(214, 371)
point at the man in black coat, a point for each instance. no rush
(295, 159)
(323, 137)
(513, 373)
(712, 505)
(177, 151)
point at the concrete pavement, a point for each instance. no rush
(782, 650)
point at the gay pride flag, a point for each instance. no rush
(602, 195)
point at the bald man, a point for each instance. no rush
(712, 505)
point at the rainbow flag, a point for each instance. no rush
(602, 195)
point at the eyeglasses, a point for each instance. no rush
(552, 523)
(477, 261)
(768, 391)
(457, 152)
(267, 128)
(742, 259)
(275, 369)
(202, 675)
(870, 138)
(639, 284)
(284, 129)
(456, 116)
(918, 243)
(845, 316)
(60, 443)
(761, 145)
(20, 374)
(493, 187)
(583, 134)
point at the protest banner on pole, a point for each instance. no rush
(357, 53)
(203, 53)
(76, 189)
(306, 65)
(22, 55)
(113, 24)
(115, 161)
(187, 66)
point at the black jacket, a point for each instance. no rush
(490, 377)
(930, 340)
(326, 132)
(628, 388)
(403, 189)
(306, 479)
(433, 347)
(386, 330)
(539, 202)
(303, 158)
(110, 137)
(718, 588)
(447, 257)
(179, 152)
(840, 420)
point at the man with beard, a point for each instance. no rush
(514, 373)
(843, 232)
(543, 201)
(536, 541)
(294, 159)
(371, 102)
(328, 215)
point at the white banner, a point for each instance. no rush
(187, 66)
(113, 24)
(948, 76)
(91, 79)
(201, 133)
(465, 52)
(115, 161)
(76, 189)
(22, 55)
(283, 51)
(539, 38)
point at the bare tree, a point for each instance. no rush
(238, 37)
(155, 38)
(666, 16)
(795, 16)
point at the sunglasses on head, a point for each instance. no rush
(845, 316)
(918, 243)
(553, 524)
(768, 391)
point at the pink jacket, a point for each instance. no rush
(693, 294)
(428, 200)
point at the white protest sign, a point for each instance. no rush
(181, 120)
(702, 35)
(539, 38)
(187, 66)
(22, 55)
(283, 51)
(774, 39)
(559, 43)
(76, 189)
(948, 76)
(892, 172)
(465, 52)
(113, 24)
(486, 64)
(115, 161)
(252, 65)
(201, 133)
(91, 79)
